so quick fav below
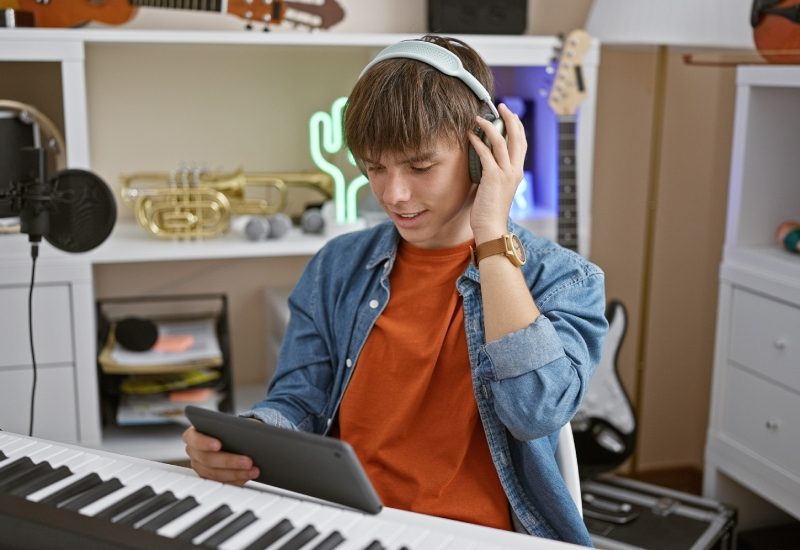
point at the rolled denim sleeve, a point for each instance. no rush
(539, 374)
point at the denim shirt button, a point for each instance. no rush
(373, 304)
(348, 362)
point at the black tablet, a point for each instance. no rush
(314, 465)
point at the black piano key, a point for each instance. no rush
(271, 535)
(149, 508)
(75, 488)
(300, 539)
(205, 523)
(239, 522)
(95, 493)
(41, 482)
(330, 542)
(25, 476)
(171, 513)
(375, 545)
(127, 503)
(14, 468)
(3, 455)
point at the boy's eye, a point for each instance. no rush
(422, 169)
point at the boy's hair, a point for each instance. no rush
(404, 105)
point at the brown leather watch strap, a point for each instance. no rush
(489, 248)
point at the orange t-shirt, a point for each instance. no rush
(410, 411)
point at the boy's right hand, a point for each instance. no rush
(211, 463)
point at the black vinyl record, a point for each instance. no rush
(83, 211)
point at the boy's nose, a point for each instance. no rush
(395, 189)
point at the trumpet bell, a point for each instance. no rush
(197, 212)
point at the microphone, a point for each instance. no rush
(74, 211)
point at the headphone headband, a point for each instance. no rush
(437, 57)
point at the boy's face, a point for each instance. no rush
(427, 194)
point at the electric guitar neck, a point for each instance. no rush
(567, 92)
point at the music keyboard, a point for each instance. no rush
(65, 496)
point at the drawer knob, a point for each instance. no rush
(772, 425)
(780, 344)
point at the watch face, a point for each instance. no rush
(518, 249)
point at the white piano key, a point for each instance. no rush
(299, 513)
(185, 485)
(77, 463)
(437, 540)
(389, 534)
(362, 532)
(40, 450)
(81, 464)
(17, 448)
(236, 500)
(222, 494)
(131, 484)
(410, 537)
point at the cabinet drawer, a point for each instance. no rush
(763, 417)
(52, 325)
(55, 412)
(765, 337)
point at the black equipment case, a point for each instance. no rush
(623, 514)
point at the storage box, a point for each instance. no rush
(623, 514)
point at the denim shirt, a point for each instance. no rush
(527, 384)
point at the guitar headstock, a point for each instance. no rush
(568, 88)
(314, 14)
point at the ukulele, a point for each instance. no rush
(314, 14)
(566, 93)
(776, 29)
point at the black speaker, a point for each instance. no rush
(477, 16)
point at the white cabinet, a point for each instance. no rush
(148, 97)
(754, 431)
(65, 406)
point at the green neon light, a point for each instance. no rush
(325, 134)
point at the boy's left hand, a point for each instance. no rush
(502, 173)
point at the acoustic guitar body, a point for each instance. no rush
(75, 13)
(775, 34)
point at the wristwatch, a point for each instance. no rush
(508, 244)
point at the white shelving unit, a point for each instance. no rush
(67, 406)
(754, 434)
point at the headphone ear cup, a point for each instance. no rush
(475, 167)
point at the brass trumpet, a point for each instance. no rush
(196, 203)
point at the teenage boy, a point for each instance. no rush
(448, 346)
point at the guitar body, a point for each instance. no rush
(604, 428)
(774, 33)
(74, 13)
